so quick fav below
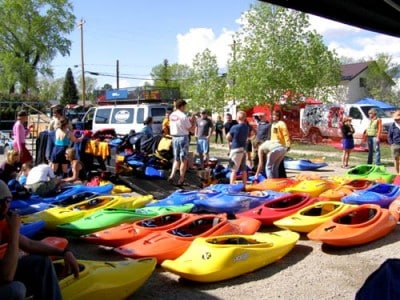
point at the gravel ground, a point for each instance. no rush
(309, 271)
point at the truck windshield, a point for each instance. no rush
(379, 112)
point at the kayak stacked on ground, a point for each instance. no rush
(232, 203)
(105, 279)
(278, 208)
(55, 216)
(182, 197)
(126, 233)
(219, 258)
(302, 164)
(314, 187)
(356, 226)
(110, 217)
(380, 193)
(172, 243)
(29, 229)
(271, 184)
(371, 172)
(336, 194)
(310, 217)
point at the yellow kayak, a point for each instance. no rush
(314, 187)
(310, 217)
(59, 215)
(222, 257)
(105, 280)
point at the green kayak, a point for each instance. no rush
(371, 172)
(110, 217)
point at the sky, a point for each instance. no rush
(141, 34)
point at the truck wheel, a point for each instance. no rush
(315, 137)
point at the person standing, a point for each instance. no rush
(347, 141)
(280, 133)
(147, 130)
(20, 132)
(263, 134)
(165, 123)
(229, 122)
(180, 126)
(219, 127)
(374, 131)
(237, 136)
(394, 140)
(274, 154)
(203, 131)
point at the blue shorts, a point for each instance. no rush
(180, 147)
(203, 145)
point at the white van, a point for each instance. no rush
(125, 117)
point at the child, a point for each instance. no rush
(25, 168)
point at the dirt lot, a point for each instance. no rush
(309, 271)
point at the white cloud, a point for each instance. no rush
(198, 39)
(328, 27)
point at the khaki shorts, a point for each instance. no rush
(395, 150)
(43, 188)
(237, 159)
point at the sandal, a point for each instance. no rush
(181, 182)
(170, 180)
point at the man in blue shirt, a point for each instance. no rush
(394, 140)
(237, 136)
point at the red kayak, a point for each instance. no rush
(126, 233)
(172, 243)
(356, 226)
(281, 207)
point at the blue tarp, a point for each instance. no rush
(381, 104)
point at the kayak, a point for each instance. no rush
(278, 208)
(314, 187)
(371, 172)
(226, 188)
(62, 194)
(219, 258)
(36, 207)
(58, 215)
(274, 184)
(105, 279)
(126, 233)
(310, 217)
(302, 164)
(381, 194)
(172, 243)
(345, 189)
(232, 203)
(182, 197)
(110, 217)
(356, 226)
(29, 229)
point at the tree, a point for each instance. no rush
(70, 92)
(379, 79)
(31, 35)
(49, 89)
(90, 87)
(205, 86)
(274, 54)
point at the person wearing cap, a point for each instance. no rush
(347, 140)
(203, 131)
(374, 131)
(180, 127)
(32, 274)
(394, 140)
(20, 133)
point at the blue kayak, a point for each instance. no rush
(381, 194)
(31, 228)
(226, 188)
(302, 164)
(182, 197)
(235, 202)
(63, 193)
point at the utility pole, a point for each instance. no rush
(80, 25)
(117, 74)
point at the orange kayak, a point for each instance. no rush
(274, 184)
(172, 243)
(278, 208)
(126, 233)
(345, 189)
(356, 226)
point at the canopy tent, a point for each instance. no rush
(381, 104)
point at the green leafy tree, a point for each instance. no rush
(90, 87)
(32, 33)
(205, 86)
(274, 54)
(70, 92)
(50, 89)
(379, 79)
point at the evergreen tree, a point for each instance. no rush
(70, 91)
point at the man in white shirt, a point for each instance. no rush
(41, 180)
(180, 126)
